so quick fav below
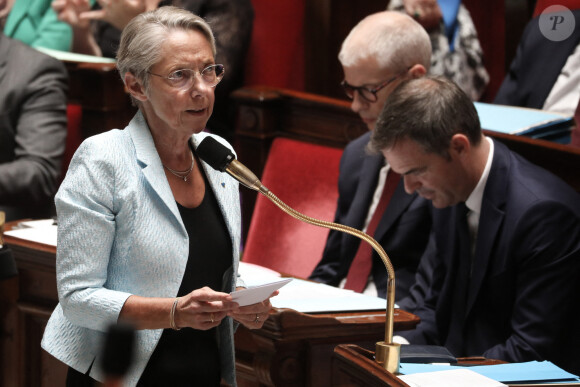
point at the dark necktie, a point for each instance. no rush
(455, 339)
(362, 263)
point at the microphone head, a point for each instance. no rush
(118, 349)
(215, 154)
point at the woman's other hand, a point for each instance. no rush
(253, 316)
(203, 309)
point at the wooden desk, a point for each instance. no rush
(292, 349)
(27, 302)
(295, 349)
(354, 366)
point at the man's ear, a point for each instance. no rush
(135, 87)
(459, 146)
(417, 71)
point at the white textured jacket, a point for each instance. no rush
(119, 234)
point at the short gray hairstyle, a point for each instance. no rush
(394, 39)
(143, 37)
(428, 110)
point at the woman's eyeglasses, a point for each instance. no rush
(183, 79)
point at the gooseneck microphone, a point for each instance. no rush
(219, 157)
(222, 159)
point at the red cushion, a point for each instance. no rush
(305, 177)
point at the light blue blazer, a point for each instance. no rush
(119, 234)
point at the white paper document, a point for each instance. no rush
(40, 231)
(310, 297)
(255, 294)
(453, 378)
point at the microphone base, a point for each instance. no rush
(388, 356)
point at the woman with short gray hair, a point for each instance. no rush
(147, 233)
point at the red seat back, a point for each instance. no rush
(305, 177)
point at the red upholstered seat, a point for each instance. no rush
(305, 177)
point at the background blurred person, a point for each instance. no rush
(457, 53)
(33, 121)
(35, 23)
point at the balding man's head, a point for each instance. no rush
(393, 39)
(381, 51)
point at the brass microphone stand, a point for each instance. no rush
(387, 353)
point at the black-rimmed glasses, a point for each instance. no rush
(183, 78)
(369, 94)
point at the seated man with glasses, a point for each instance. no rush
(381, 51)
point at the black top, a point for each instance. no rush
(190, 356)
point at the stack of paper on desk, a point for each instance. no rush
(39, 231)
(310, 297)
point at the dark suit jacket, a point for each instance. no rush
(523, 298)
(536, 67)
(403, 231)
(32, 128)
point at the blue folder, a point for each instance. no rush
(528, 122)
(512, 373)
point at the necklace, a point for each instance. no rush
(182, 174)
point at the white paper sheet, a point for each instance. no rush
(255, 294)
(312, 297)
(41, 231)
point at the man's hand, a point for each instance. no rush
(70, 11)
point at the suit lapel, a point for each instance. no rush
(151, 164)
(398, 204)
(365, 190)
(491, 219)
(4, 52)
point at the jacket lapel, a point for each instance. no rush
(398, 204)
(490, 221)
(151, 164)
(365, 190)
(4, 52)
